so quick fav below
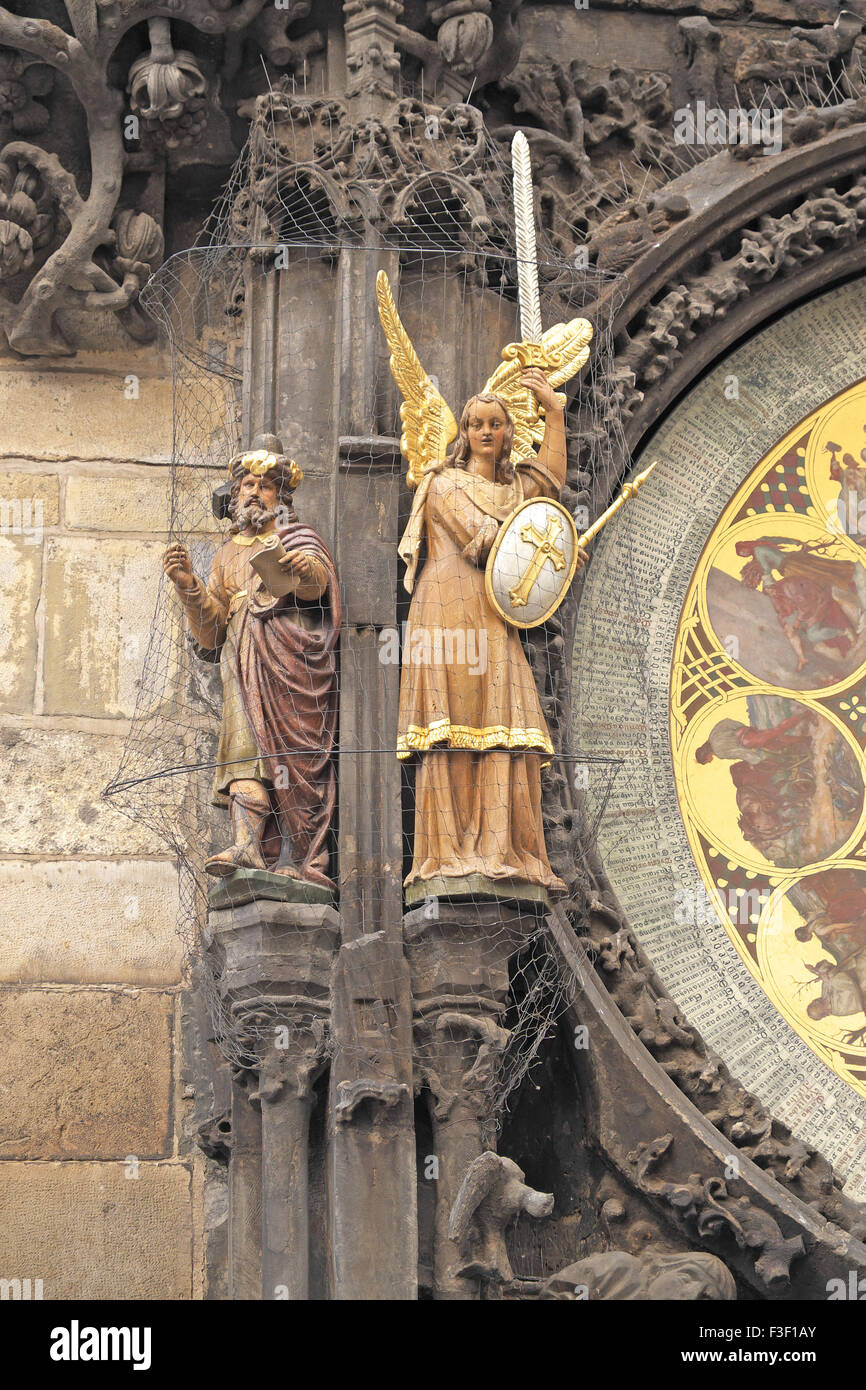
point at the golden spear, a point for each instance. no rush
(627, 493)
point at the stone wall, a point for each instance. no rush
(100, 1196)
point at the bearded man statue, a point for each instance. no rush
(277, 660)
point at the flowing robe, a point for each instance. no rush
(808, 592)
(279, 678)
(468, 702)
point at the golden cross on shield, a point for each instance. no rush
(544, 550)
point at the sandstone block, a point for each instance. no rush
(87, 1074)
(99, 598)
(86, 415)
(139, 500)
(28, 499)
(90, 922)
(50, 796)
(92, 1230)
(124, 503)
(20, 579)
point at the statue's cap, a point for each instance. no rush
(271, 442)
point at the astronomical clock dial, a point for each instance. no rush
(720, 665)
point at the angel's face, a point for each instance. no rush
(486, 428)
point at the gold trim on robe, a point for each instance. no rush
(419, 740)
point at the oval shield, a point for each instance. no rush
(532, 562)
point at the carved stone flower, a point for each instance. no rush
(27, 222)
(168, 90)
(21, 81)
(16, 248)
(465, 34)
(138, 243)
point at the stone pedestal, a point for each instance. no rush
(458, 957)
(273, 964)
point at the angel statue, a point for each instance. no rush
(469, 707)
(270, 612)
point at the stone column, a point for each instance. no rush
(371, 1123)
(273, 960)
(371, 1133)
(245, 1192)
(458, 958)
(286, 1093)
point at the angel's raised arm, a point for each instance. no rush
(564, 349)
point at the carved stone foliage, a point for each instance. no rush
(28, 218)
(707, 1207)
(167, 89)
(737, 66)
(769, 248)
(606, 144)
(700, 1073)
(23, 81)
(82, 194)
(451, 46)
(420, 173)
(602, 143)
(810, 62)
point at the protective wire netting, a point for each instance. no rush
(243, 687)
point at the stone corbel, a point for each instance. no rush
(271, 961)
(352, 1094)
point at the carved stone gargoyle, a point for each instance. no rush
(492, 1195)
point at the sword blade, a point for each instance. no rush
(524, 234)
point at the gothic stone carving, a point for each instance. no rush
(616, 1274)
(627, 974)
(100, 250)
(492, 1196)
(457, 45)
(318, 172)
(708, 1206)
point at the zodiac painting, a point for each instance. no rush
(768, 727)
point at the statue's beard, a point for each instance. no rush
(253, 516)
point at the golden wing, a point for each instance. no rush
(428, 425)
(566, 349)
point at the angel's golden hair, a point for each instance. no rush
(460, 454)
